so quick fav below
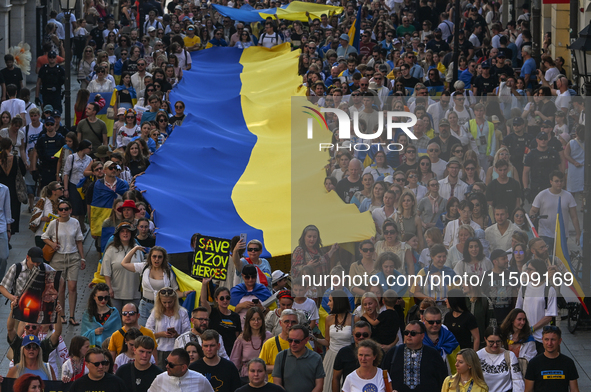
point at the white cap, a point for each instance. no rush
(277, 276)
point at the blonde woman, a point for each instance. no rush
(491, 173)
(168, 320)
(407, 218)
(469, 375)
(31, 360)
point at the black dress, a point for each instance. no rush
(10, 181)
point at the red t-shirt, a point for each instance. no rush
(42, 60)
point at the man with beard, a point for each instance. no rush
(220, 372)
(437, 44)
(200, 322)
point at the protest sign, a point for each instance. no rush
(38, 300)
(211, 258)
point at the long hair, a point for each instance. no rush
(113, 218)
(72, 136)
(92, 307)
(302, 240)
(164, 266)
(159, 309)
(131, 334)
(450, 202)
(81, 100)
(21, 366)
(220, 290)
(76, 345)
(476, 170)
(247, 334)
(420, 172)
(413, 208)
(5, 147)
(373, 199)
(23, 383)
(472, 360)
(48, 190)
(340, 303)
(507, 327)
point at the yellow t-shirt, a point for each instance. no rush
(191, 41)
(117, 340)
(269, 351)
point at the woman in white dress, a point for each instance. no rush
(338, 332)
(499, 366)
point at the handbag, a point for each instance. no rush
(48, 251)
(21, 189)
(387, 383)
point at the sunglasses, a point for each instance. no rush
(167, 292)
(470, 168)
(162, 120)
(31, 346)
(253, 249)
(550, 328)
(518, 252)
(431, 322)
(88, 51)
(399, 179)
(129, 116)
(245, 277)
(365, 250)
(129, 313)
(296, 341)
(31, 327)
(411, 333)
(425, 163)
(387, 232)
(411, 152)
(360, 334)
(412, 176)
(64, 209)
(225, 298)
(105, 298)
(178, 107)
(103, 363)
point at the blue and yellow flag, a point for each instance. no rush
(561, 252)
(296, 10)
(354, 30)
(102, 204)
(102, 114)
(227, 169)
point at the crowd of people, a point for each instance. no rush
(500, 141)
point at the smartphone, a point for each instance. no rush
(255, 301)
(171, 330)
(243, 237)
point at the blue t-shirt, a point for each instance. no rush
(529, 68)
(151, 143)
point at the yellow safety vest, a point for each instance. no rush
(491, 132)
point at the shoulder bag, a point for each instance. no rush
(48, 251)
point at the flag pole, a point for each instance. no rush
(556, 228)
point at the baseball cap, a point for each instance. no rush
(111, 163)
(36, 255)
(178, 7)
(437, 30)
(121, 111)
(542, 136)
(485, 64)
(49, 121)
(31, 339)
(151, 28)
(51, 55)
(48, 108)
(495, 119)
(501, 55)
(518, 121)
(345, 37)
(443, 121)
(547, 124)
(57, 113)
(190, 27)
(498, 253)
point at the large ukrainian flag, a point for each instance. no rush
(228, 169)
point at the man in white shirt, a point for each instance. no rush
(546, 203)
(437, 165)
(499, 234)
(269, 38)
(178, 377)
(452, 229)
(13, 105)
(452, 186)
(137, 79)
(437, 110)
